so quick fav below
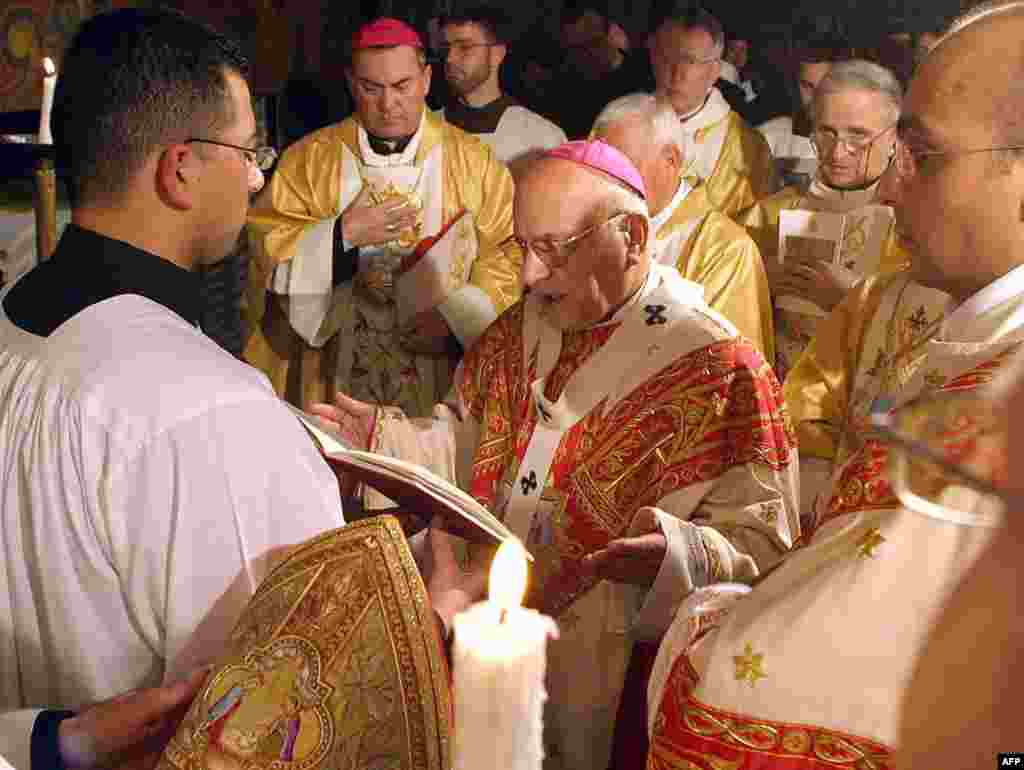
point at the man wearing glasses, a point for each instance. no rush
(812, 667)
(730, 158)
(854, 112)
(618, 426)
(384, 241)
(475, 42)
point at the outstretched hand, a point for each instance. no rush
(350, 418)
(128, 731)
(635, 559)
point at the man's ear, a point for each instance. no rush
(428, 71)
(617, 36)
(671, 154)
(637, 232)
(498, 53)
(178, 171)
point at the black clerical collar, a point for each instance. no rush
(388, 146)
(478, 120)
(87, 268)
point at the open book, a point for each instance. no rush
(809, 236)
(411, 486)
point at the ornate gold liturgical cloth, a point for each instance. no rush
(336, 662)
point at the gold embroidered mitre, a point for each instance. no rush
(335, 662)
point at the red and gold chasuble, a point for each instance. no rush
(714, 408)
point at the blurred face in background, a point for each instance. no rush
(389, 87)
(809, 74)
(686, 65)
(471, 57)
(854, 131)
(589, 44)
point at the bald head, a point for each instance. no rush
(983, 63)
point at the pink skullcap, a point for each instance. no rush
(596, 153)
(385, 32)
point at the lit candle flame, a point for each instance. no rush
(507, 583)
(49, 69)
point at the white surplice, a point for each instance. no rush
(147, 477)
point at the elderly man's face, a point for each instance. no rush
(389, 86)
(686, 65)
(555, 200)
(959, 214)
(854, 132)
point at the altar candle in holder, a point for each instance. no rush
(49, 84)
(498, 664)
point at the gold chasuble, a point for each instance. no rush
(335, 663)
(710, 249)
(315, 334)
(730, 157)
(808, 671)
(863, 252)
(567, 436)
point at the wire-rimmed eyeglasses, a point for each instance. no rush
(824, 140)
(261, 157)
(555, 253)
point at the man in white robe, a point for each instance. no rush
(617, 425)
(729, 157)
(475, 42)
(811, 667)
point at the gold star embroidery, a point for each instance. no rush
(749, 666)
(866, 545)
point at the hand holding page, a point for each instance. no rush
(412, 486)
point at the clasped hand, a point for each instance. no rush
(635, 559)
(365, 223)
(822, 283)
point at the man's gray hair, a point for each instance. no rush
(862, 75)
(658, 115)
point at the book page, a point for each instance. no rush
(412, 486)
(809, 236)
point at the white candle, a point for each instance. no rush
(498, 664)
(49, 84)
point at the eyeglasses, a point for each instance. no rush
(460, 48)
(824, 140)
(261, 157)
(555, 253)
(909, 161)
(687, 58)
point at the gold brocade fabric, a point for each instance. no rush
(745, 172)
(335, 662)
(306, 190)
(723, 259)
(820, 389)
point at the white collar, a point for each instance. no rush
(714, 110)
(666, 213)
(729, 72)
(404, 158)
(842, 200)
(956, 327)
